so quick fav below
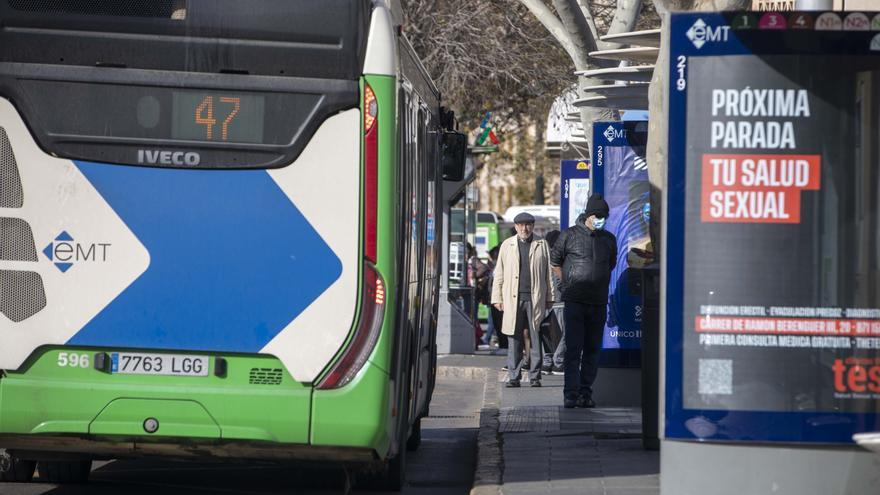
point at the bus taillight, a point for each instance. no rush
(366, 335)
(371, 171)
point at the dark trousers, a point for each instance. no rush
(584, 326)
(551, 339)
(559, 354)
(516, 345)
(497, 319)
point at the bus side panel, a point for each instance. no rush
(360, 414)
(354, 415)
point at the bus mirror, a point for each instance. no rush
(447, 118)
(453, 154)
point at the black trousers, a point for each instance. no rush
(584, 326)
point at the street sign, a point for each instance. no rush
(772, 219)
(574, 190)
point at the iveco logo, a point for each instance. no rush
(165, 157)
(700, 33)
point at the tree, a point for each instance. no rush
(576, 28)
(515, 57)
(493, 55)
(486, 55)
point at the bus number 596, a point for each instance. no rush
(73, 360)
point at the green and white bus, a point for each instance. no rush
(219, 233)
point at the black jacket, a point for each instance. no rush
(587, 258)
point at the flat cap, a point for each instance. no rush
(524, 218)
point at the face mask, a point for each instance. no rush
(599, 223)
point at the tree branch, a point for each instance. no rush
(624, 20)
(578, 29)
(558, 30)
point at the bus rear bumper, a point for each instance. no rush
(49, 447)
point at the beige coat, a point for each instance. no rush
(506, 285)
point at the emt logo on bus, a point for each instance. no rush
(64, 251)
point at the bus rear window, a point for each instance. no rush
(303, 38)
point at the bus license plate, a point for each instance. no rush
(135, 363)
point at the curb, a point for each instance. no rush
(490, 461)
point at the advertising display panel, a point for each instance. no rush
(621, 176)
(574, 190)
(773, 227)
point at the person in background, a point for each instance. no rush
(478, 278)
(476, 269)
(490, 322)
(523, 290)
(497, 314)
(583, 257)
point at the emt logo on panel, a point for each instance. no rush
(700, 33)
(611, 133)
(64, 251)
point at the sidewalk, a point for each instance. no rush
(547, 449)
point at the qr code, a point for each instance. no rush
(716, 376)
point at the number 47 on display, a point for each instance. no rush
(204, 115)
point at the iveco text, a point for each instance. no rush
(165, 157)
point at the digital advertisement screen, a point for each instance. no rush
(773, 268)
(621, 176)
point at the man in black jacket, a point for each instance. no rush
(583, 258)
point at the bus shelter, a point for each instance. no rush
(772, 281)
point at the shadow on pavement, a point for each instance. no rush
(444, 464)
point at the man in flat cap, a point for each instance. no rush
(583, 258)
(524, 291)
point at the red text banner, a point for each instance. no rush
(756, 188)
(788, 326)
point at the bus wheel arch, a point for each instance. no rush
(13, 469)
(65, 472)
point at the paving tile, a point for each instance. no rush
(552, 450)
(526, 488)
(577, 486)
(632, 491)
(642, 481)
